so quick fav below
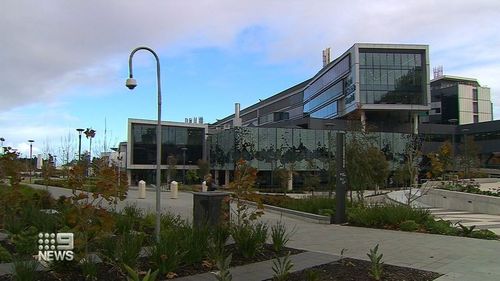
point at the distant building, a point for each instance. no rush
(461, 99)
(184, 141)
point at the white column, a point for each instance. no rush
(363, 120)
(415, 123)
(216, 177)
(290, 180)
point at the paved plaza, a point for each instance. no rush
(458, 258)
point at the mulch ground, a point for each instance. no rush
(108, 271)
(358, 270)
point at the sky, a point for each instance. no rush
(63, 64)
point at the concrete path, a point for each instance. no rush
(458, 258)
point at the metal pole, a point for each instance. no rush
(158, 135)
(31, 158)
(184, 165)
(340, 189)
(79, 144)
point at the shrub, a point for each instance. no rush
(165, 254)
(24, 270)
(409, 225)
(440, 227)
(484, 234)
(26, 241)
(388, 216)
(282, 267)
(249, 239)
(134, 276)
(223, 265)
(376, 268)
(5, 256)
(194, 242)
(280, 236)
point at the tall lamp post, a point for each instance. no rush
(131, 83)
(31, 157)
(2, 140)
(80, 131)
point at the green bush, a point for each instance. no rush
(26, 241)
(194, 242)
(249, 239)
(484, 234)
(440, 227)
(166, 254)
(280, 236)
(409, 225)
(24, 270)
(5, 256)
(386, 216)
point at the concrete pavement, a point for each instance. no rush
(458, 258)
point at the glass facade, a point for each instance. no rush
(173, 140)
(392, 77)
(321, 96)
(268, 148)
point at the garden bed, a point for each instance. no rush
(358, 270)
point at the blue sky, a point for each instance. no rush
(64, 63)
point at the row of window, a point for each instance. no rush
(331, 93)
(390, 59)
(333, 74)
(391, 97)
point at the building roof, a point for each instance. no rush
(458, 79)
(270, 99)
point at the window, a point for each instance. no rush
(475, 107)
(474, 94)
(476, 118)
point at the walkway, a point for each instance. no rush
(458, 258)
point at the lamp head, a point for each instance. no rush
(131, 83)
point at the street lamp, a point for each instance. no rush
(131, 83)
(184, 149)
(453, 121)
(80, 131)
(2, 140)
(31, 156)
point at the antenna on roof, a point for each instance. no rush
(438, 71)
(326, 56)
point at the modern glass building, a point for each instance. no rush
(297, 149)
(383, 84)
(184, 141)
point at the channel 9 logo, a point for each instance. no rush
(55, 246)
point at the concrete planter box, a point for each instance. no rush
(454, 200)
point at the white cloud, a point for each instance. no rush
(54, 49)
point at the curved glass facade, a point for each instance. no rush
(392, 77)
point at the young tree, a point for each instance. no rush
(10, 166)
(441, 161)
(468, 158)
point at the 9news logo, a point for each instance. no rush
(55, 246)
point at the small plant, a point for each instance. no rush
(280, 236)
(166, 254)
(484, 234)
(223, 265)
(409, 225)
(312, 275)
(376, 269)
(466, 231)
(282, 267)
(24, 270)
(249, 239)
(134, 276)
(342, 258)
(89, 269)
(5, 256)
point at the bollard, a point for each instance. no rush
(174, 186)
(204, 186)
(142, 189)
